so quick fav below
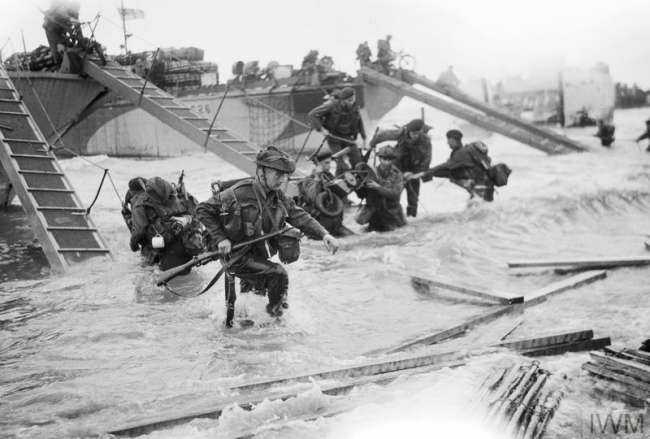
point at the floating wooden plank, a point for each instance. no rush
(632, 388)
(366, 369)
(577, 346)
(627, 354)
(438, 336)
(624, 261)
(555, 339)
(631, 368)
(640, 356)
(501, 298)
(248, 401)
(563, 285)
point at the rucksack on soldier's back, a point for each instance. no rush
(499, 174)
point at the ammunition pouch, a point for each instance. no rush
(288, 246)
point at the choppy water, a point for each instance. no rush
(86, 351)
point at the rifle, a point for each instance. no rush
(205, 258)
(367, 155)
(180, 186)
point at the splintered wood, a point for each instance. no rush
(516, 402)
(627, 372)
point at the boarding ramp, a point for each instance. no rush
(473, 111)
(163, 106)
(59, 221)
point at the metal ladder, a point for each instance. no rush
(163, 106)
(488, 118)
(58, 218)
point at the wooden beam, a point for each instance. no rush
(624, 261)
(438, 336)
(248, 401)
(632, 388)
(636, 370)
(365, 369)
(500, 298)
(557, 287)
(538, 342)
(576, 346)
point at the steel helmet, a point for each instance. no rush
(272, 157)
(386, 151)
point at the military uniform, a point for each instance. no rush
(59, 21)
(245, 211)
(341, 121)
(383, 211)
(468, 167)
(153, 214)
(412, 155)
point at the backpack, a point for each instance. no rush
(499, 174)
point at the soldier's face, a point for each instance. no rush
(275, 180)
(385, 162)
(325, 165)
(350, 101)
(453, 142)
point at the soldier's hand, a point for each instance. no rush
(331, 243)
(224, 247)
(372, 184)
(408, 175)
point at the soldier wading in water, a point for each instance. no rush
(252, 208)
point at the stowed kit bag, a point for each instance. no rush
(499, 174)
(288, 245)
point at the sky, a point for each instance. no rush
(489, 39)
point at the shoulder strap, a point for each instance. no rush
(264, 208)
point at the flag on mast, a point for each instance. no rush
(131, 14)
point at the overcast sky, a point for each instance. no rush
(480, 38)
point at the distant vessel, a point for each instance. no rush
(263, 110)
(575, 97)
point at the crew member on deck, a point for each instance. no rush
(60, 20)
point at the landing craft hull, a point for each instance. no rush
(92, 120)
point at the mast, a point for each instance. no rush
(126, 36)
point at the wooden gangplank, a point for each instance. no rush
(59, 221)
(506, 118)
(133, 88)
(473, 116)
